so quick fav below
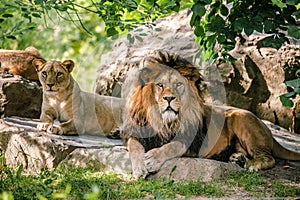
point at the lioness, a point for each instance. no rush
(166, 118)
(79, 112)
(19, 62)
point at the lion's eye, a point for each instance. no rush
(44, 74)
(160, 85)
(179, 84)
(59, 74)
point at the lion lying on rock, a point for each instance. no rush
(19, 62)
(78, 112)
(166, 118)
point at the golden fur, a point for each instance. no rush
(166, 118)
(78, 112)
(19, 62)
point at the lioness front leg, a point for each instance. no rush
(155, 158)
(136, 152)
(65, 128)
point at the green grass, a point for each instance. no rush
(86, 183)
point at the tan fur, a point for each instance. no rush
(239, 129)
(148, 106)
(78, 112)
(19, 62)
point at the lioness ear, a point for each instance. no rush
(68, 64)
(38, 64)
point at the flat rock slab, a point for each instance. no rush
(23, 144)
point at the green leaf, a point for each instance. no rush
(239, 24)
(130, 39)
(19, 171)
(36, 15)
(294, 31)
(286, 101)
(199, 32)
(139, 38)
(199, 9)
(289, 95)
(297, 13)
(297, 90)
(268, 26)
(224, 10)
(291, 2)
(11, 37)
(273, 42)
(293, 83)
(221, 38)
(111, 32)
(279, 4)
(297, 72)
(6, 15)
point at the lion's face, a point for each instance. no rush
(169, 92)
(54, 75)
(165, 100)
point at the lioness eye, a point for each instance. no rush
(44, 74)
(159, 85)
(59, 74)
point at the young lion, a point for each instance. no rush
(78, 112)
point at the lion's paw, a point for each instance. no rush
(139, 171)
(253, 169)
(43, 126)
(55, 130)
(239, 159)
(152, 160)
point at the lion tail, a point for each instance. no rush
(281, 152)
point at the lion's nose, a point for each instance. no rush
(50, 85)
(169, 98)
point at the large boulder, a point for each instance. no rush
(19, 96)
(254, 82)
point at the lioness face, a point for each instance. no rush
(169, 91)
(54, 75)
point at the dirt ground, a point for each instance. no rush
(286, 171)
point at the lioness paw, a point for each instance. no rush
(55, 130)
(152, 160)
(43, 126)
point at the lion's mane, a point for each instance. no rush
(143, 120)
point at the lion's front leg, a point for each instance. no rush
(155, 158)
(136, 152)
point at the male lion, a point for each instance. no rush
(79, 112)
(166, 118)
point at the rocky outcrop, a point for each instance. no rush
(171, 33)
(22, 144)
(254, 82)
(19, 96)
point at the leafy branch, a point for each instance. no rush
(294, 90)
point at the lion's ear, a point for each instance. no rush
(69, 65)
(38, 64)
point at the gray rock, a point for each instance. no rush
(19, 97)
(196, 168)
